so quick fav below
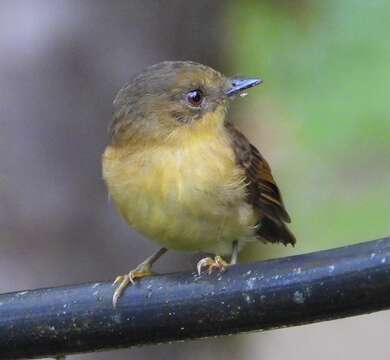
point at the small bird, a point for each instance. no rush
(181, 174)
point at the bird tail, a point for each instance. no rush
(275, 231)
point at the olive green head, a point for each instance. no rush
(169, 95)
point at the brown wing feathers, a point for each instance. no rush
(263, 193)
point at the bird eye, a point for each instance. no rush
(195, 97)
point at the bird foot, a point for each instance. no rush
(123, 281)
(211, 264)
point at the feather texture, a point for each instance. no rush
(262, 192)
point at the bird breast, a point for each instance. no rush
(190, 197)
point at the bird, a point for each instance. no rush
(180, 173)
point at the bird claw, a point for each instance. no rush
(212, 264)
(121, 282)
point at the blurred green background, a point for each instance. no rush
(323, 112)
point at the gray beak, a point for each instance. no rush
(239, 85)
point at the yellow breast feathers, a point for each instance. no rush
(186, 193)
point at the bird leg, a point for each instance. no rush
(144, 269)
(218, 263)
(234, 258)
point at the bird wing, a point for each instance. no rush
(262, 191)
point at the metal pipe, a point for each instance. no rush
(282, 292)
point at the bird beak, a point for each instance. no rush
(239, 85)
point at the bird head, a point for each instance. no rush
(171, 97)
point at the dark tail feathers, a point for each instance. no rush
(273, 231)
